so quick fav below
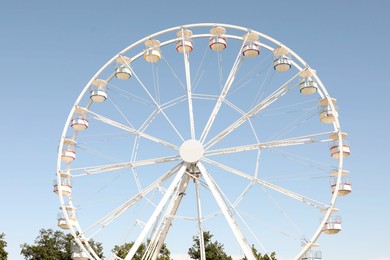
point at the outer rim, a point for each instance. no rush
(301, 66)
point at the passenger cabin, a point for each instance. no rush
(61, 222)
(217, 42)
(122, 72)
(327, 116)
(308, 86)
(71, 212)
(78, 254)
(79, 121)
(65, 186)
(122, 69)
(345, 188)
(251, 49)
(98, 91)
(282, 61)
(184, 45)
(152, 54)
(332, 226)
(335, 149)
(312, 255)
(68, 152)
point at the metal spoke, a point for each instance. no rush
(174, 102)
(156, 104)
(119, 166)
(131, 130)
(200, 224)
(308, 139)
(222, 96)
(132, 201)
(242, 241)
(274, 187)
(159, 236)
(153, 218)
(189, 87)
(173, 72)
(259, 107)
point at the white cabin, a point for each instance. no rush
(251, 50)
(98, 95)
(312, 255)
(98, 92)
(327, 116)
(68, 152)
(122, 72)
(217, 43)
(336, 150)
(184, 45)
(79, 123)
(308, 86)
(282, 63)
(65, 186)
(61, 222)
(122, 68)
(332, 226)
(152, 54)
(345, 188)
(78, 254)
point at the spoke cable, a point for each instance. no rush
(174, 73)
(201, 70)
(232, 208)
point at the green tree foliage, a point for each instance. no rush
(3, 245)
(97, 247)
(258, 255)
(54, 245)
(122, 250)
(214, 250)
(165, 254)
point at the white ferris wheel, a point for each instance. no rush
(203, 127)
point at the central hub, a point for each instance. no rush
(191, 151)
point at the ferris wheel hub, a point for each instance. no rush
(191, 151)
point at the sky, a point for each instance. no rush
(50, 49)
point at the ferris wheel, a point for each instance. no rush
(203, 127)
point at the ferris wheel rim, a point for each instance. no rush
(323, 93)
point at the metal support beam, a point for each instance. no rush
(242, 241)
(160, 234)
(200, 225)
(152, 220)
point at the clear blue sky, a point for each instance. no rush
(50, 49)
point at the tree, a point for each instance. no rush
(122, 250)
(258, 255)
(97, 247)
(165, 254)
(54, 245)
(214, 250)
(3, 245)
